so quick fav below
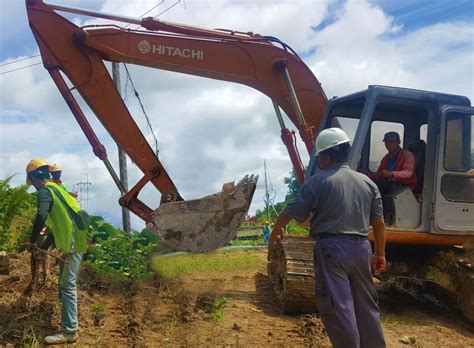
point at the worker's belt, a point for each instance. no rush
(340, 236)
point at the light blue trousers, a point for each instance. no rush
(68, 291)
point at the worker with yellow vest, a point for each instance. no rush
(55, 209)
(55, 171)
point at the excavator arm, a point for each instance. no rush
(242, 58)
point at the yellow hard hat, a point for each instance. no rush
(34, 164)
(54, 168)
(266, 222)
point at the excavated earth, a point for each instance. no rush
(157, 313)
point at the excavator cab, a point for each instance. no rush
(438, 129)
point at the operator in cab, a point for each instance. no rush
(341, 205)
(397, 168)
(396, 172)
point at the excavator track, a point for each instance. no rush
(439, 274)
(290, 270)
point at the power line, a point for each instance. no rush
(151, 9)
(24, 67)
(169, 7)
(157, 151)
(20, 60)
(176, 3)
(37, 55)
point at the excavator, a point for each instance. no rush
(434, 222)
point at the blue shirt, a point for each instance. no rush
(391, 163)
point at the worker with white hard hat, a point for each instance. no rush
(341, 204)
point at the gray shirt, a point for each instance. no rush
(338, 200)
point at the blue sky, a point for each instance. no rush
(209, 131)
(413, 14)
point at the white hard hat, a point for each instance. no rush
(330, 137)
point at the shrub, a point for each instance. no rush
(114, 255)
(17, 211)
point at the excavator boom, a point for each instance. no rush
(243, 58)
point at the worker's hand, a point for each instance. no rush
(386, 174)
(274, 236)
(378, 262)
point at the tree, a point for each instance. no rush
(293, 186)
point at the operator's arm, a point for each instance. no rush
(382, 166)
(408, 166)
(378, 227)
(45, 202)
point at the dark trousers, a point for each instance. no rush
(387, 188)
(345, 293)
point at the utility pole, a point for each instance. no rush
(267, 196)
(122, 156)
(84, 191)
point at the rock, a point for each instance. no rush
(4, 263)
(408, 340)
(405, 340)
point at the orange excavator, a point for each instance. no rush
(437, 127)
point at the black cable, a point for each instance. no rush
(23, 67)
(176, 3)
(285, 46)
(143, 110)
(19, 60)
(151, 9)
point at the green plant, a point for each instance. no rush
(169, 326)
(98, 307)
(115, 255)
(17, 206)
(295, 228)
(29, 339)
(217, 306)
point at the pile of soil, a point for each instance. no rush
(156, 313)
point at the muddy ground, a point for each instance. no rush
(157, 313)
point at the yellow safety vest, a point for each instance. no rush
(61, 224)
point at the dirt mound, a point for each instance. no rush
(236, 309)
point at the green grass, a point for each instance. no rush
(258, 241)
(405, 318)
(217, 305)
(170, 267)
(98, 307)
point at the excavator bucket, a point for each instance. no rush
(207, 223)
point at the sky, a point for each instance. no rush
(210, 132)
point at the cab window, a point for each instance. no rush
(346, 115)
(458, 157)
(459, 144)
